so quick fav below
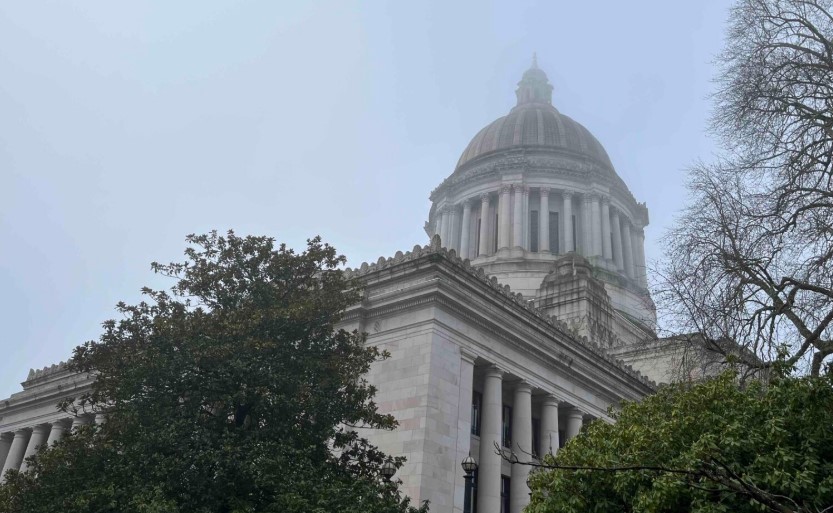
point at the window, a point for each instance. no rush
(536, 436)
(495, 232)
(476, 404)
(554, 232)
(477, 238)
(573, 227)
(562, 438)
(505, 483)
(506, 432)
(533, 230)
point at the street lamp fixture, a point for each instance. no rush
(387, 470)
(469, 467)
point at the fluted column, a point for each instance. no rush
(525, 219)
(586, 226)
(17, 450)
(5, 445)
(465, 230)
(483, 250)
(544, 221)
(575, 419)
(549, 426)
(504, 218)
(521, 446)
(517, 218)
(567, 222)
(39, 435)
(488, 485)
(58, 431)
(596, 226)
(627, 249)
(617, 239)
(607, 250)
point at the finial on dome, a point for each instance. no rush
(534, 87)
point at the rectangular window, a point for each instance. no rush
(495, 231)
(477, 238)
(536, 436)
(573, 227)
(554, 232)
(506, 432)
(476, 408)
(533, 230)
(505, 484)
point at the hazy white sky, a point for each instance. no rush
(126, 126)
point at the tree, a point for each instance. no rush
(232, 393)
(709, 447)
(751, 259)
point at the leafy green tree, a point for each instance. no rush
(704, 448)
(232, 393)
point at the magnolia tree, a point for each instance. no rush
(233, 392)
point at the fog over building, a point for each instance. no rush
(526, 314)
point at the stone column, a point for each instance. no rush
(452, 222)
(504, 215)
(488, 481)
(39, 435)
(544, 221)
(627, 249)
(567, 222)
(642, 270)
(466, 386)
(575, 419)
(444, 226)
(5, 445)
(596, 226)
(586, 226)
(549, 426)
(484, 225)
(465, 231)
(58, 431)
(607, 251)
(521, 446)
(617, 239)
(77, 422)
(16, 451)
(525, 219)
(517, 218)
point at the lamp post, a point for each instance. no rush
(469, 466)
(387, 470)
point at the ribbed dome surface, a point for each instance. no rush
(535, 125)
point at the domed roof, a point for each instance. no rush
(534, 123)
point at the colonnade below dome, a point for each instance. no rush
(540, 220)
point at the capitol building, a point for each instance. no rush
(525, 315)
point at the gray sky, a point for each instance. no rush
(126, 126)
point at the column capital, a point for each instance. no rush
(551, 400)
(504, 189)
(484, 198)
(605, 199)
(523, 387)
(575, 413)
(467, 203)
(544, 190)
(22, 432)
(493, 372)
(41, 428)
(525, 190)
(567, 193)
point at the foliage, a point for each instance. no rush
(232, 393)
(710, 447)
(751, 259)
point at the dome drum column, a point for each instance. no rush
(607, 251)
(483, 249)
(504, 215)
(586, 226)
(596, 226)
(617, 240)
(517, 218)
(627, 250)
(465, 229)
(567, 222)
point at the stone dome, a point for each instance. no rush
(535, 124)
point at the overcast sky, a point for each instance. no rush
(125, 126)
